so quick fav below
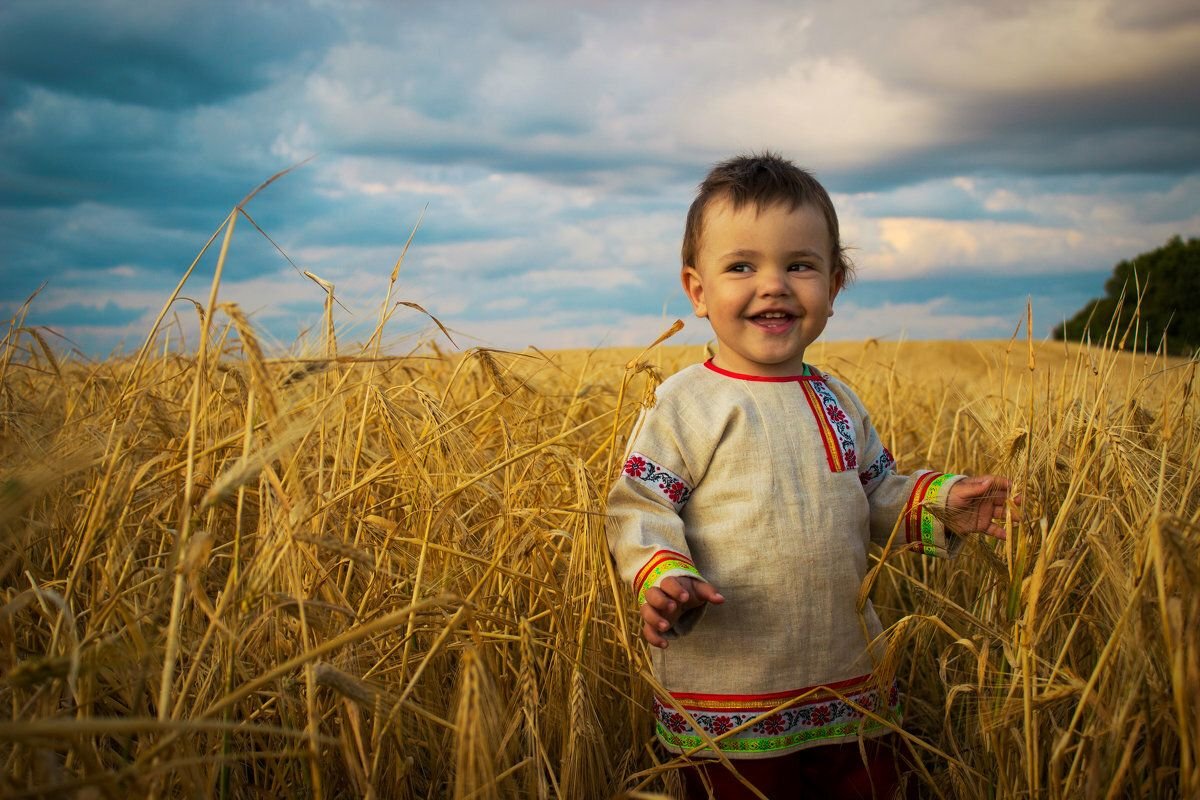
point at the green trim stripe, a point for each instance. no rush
(660, 569)
(929, 522)
(770, 744)
(787, 730)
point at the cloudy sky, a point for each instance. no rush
(979, 154)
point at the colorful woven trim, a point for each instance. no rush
(837, 433)
(660, 564)
(919, 524)
(820, 715)
(871, 476)
(661, 479)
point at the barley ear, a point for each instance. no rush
(477, 721)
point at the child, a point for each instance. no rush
(751, 492)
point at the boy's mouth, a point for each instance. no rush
(772, 320)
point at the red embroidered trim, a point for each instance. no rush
(763, 378)
(832, 452)
(879, 467)
(803, 723)
(655, 560)
(839, 425)
(665, 482)
(912, 509)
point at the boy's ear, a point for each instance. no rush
(836, 283)
(694, 288)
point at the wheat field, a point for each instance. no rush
(335, 572)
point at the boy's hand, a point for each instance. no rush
(666, 602)
(973, 504)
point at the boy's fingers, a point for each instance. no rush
(659, 600)
(653, 637)
(675, 589)
(653, 618)
(708, 593)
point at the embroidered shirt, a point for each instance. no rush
(771, 489)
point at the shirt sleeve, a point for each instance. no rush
(644, 528)
(915, 502)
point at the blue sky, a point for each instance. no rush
(978, 153)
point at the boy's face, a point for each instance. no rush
(763, 278)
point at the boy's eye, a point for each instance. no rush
(799, 267)
(741, 266)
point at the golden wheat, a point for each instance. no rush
(348, 574)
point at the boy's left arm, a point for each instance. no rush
(926, 506)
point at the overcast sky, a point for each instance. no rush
(978, 153)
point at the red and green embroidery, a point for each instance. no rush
(821, 715)
(837, 432)
(872, 474)
(661, 563)
(919, 524)
(661, 479)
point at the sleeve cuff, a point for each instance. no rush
(922, 527)
(662, 565)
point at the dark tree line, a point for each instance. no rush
(1169, 281)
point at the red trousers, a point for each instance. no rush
(831, 771)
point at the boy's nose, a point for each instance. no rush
(771, 283)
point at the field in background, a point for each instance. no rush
(345, 574)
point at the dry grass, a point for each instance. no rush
(358, 575)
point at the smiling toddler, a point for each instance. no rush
(751, 493)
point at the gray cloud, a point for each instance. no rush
(168, 56)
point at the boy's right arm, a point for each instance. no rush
(646, 533)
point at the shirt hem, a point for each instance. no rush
(749, 726)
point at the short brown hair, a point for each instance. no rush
(764, 180)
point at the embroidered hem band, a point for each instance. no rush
(821, 716)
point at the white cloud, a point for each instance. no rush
(356, 175)
(1029, 47)
(506, 304)
(602, 278)
(564, 330)
(830, 113)
(906, 246)
(1040, 227)
(934, 319)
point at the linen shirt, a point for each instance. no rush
(772, 490)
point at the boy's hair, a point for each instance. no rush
(763, 180)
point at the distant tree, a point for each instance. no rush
(1169, 279)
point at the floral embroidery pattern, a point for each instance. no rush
(822, 715)
(919, 524)
(837, 431)
(870, 476)
(675, 722)
(665, 482)
(659, 565)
